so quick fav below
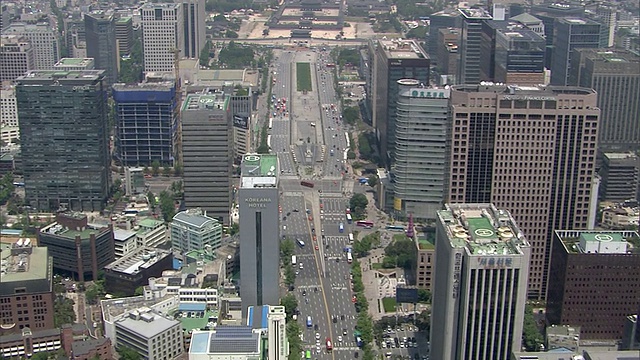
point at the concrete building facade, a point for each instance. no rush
(100, 35)
(147, 122)
(124, 35)
(150, 334)
(569, 34)
(8, 106)
(194, 30)
(258, 200)
(277, 333)
(162, 27)
(60, 113)
(421, 137)
(206, 145)
(133, 270)
(193, 230)
(17, 57)
(470, 46)
(620, 174)
(44, 41)
(593, 281)
(75, 64)
(530, 150)
(26, 294)
(480, 285)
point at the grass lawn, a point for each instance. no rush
(376, 266)
(389, 304)
(397, 237)
(303, 76)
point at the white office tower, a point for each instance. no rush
(194, 32)
(44, 40)
(162, 36)
(421, 141)
(277, 333)
(480, 287)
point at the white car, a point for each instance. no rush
(317, 336)
(339, 338)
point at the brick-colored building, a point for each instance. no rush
(26, 289)
(593, 281)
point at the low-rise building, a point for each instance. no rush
(92, 349)
(150, 334)
(27, 342)
(134, 180)
(226, 342)
(125, 242)
(186, 287)
(70, 64)
(563, 337)
(77, 246)
(151, 233)
(620, 217)
(124, 275)
(193, 229)
(426, 260)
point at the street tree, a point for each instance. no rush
(166, 206)
(372, 180)
(127, 353)
(358, 205)
(290, 304)
(155, 167)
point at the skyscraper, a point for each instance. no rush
(100, 32)
(65, 147)
(206, 145)
(146, 117)
(162, 27)
(615, 75)
(448, 18)
(519, 55)
(470, 44)
(124, 35)
(16, 57)
(530, 150)
(595, 273)
(571, 34)
(394, 60)
(194, 31)
(480, 285)
(277, 333)
(421, 127)
(44, 40)
(258, 201)
(548, 13)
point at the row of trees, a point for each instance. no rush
(400, 253)
(364, 323)
(362, 247)
(289, 301)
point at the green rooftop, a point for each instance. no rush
(197, 323)
(217, 101)
(124, 19)
(425, 244)
(481, 229)
(72, 61)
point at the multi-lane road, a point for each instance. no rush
(303, 138)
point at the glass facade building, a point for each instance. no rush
(146, 117)
(571, 34)
(100, 32)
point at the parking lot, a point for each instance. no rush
(405, 342)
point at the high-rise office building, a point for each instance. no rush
(421, 136)
(277, 333)
(194, 31)
(74, 64)
(8, 106)
(5, 15)
(519, 55)
(146, 117)
(100, 32)
(393, 60)
(447, 54)
(26, 293)
(469, 48)
(162, 38)
(548, 13)
(241, 107)
(193, 230)
(620, 173)
(615, 75)
(206, 145)
(593, 281)
(75, 36)
(607, 14)
(44, 40)
(16, 57)
(571, 34)
(448, 18)
(258, 201)
(530, 150)
(65, 140)
(480, 286)
(124, 35)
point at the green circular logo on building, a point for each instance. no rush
(483, 232)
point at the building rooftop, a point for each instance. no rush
(24, 263)
(84, 233)
(482, 229)
(526, 19)
(398, 49)
(226, 340)
(599, 242)
(475, 14)
(259, 171)
(516, 92)
(147, 86)
(257, 317)
(577, 21)
(216, 101)
(60, 76)
(612, 56)
(146, 323)
(113, 308)
(74, 62)
(85, 346)
(199, 320)
(124, 19)
(123, 235)
(621, 156)
(194, 217)
(140, 259)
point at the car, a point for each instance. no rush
(313, 230)
(355, 354)
(317, 336)
(284, 218)
(296, 210)
(317, 248)
(340, 338)
(335, 319)
(315, 327)
(289, 213)
(341, 317)
(344, 332)
(315, 289)
(304, 292)
(354, 299)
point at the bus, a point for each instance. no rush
(341, 227)
(293, 260)
(269, 141)
(350, 238)
(300, 243)
(307, 354)
(308, 184)
(395, 227)
(365, 224)
(309, 322)
(270, 123)
(349, 218)
(349, 257)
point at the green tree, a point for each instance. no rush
(234, 56)
(177, 169)
(166, 170)
(139, 291)
(290, 304)
(295, 343)
(351, 154)
(531, 335)
(287, 247)
(204, 54)
(235, 228)
(151, 198)
(373, 180)
(350, 115)
(424, 296)
(166, 206)
(419, 33)
(289, 275)
(363, 246)
(231, 34)
(127, 353)
(364, 147)
(404, 251)
(63, 311)
(155, 167)
(358, 205)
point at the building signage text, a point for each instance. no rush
(495, 262)
(456, 274)
(527, 97)
(431, 93)
(257, 202)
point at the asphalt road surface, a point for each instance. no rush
(303, 137)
